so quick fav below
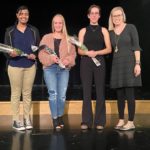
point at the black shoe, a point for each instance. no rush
(56, 124)
(61, 122)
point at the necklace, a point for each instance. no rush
(117, 37)
(118, 30)
(94, 27)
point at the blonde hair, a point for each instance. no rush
(110, 22)
(64, 30)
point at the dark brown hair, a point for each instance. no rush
(23, 7)
(94, 6)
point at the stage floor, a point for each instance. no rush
(72, 138)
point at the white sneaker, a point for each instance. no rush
(99, 127)
(84, 127)
(120, 124)
(129, 126)
(27, 124)
(17, 125)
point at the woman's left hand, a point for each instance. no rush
(91, 53)
(31, 56)
(65, 62)
(137, 70)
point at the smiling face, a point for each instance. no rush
(94, 15)
(117, 17)
(58, 23)
(23, 16)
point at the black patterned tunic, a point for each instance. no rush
(123, 63)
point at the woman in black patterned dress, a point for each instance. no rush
(126, 69)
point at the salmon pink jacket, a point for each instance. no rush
(66, 51)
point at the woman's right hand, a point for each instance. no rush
(55, 59)
(91, 53)
(13, 54)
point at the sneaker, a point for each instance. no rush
(17, 125)
(99, 127)
(84, 127)
(128, 126)
(27, 124)
(120, 124)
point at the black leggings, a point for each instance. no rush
(126, 94)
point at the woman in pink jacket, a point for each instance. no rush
(57, 57)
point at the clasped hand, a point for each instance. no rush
(91, 53)
(13, 54)
(55, 59)
(31, 56)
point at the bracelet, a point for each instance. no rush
(137, 62)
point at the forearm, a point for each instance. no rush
(70, 59)
(104, 51)
(82, 52)
(45, 58)
(137, 57)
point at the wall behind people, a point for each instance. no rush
(75, 11)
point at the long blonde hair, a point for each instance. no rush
(64, 30)
(110, 22)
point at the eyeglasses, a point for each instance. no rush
(94, 13)
(117, 16)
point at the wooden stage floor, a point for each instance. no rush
(72, 138)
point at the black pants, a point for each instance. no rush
(88, 71)
(126, 94)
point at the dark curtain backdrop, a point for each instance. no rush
(75, 12)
